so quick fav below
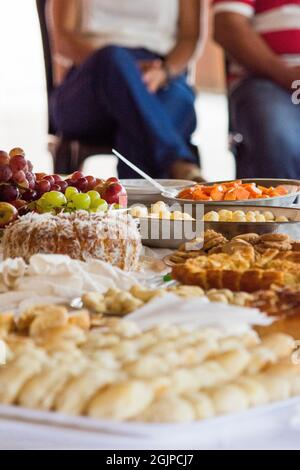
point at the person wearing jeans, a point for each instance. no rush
(262, 41)
(122, 77)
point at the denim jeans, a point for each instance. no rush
(105, 100)
(269, 122)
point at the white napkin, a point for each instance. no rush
(198, 312)
(59, 278)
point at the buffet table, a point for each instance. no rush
(123, 331)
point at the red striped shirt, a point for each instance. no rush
(277, 21)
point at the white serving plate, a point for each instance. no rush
(285, 414)
(140, 186)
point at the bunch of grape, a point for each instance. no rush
(26, 190)
(16, 175)
(72, 200)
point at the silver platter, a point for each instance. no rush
(232, 229)
(153, 231)
(293, 187)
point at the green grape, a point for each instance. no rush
(116, 207)
(81, 201)
(99, 206)
(70, 192)
(55, 199)
(43, 205)
(95, 198)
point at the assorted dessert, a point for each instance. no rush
(224, 215)
(91, 361)
(59, 362)
(231, 191)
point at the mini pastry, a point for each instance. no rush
(202, 404)
(168, 409)
(75, 397)
(255, 391)
(16, 373)
(229, 399)
(56, 318)
(121, 401)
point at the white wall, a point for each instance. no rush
(23, 101)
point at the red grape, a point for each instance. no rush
(91, 182)
(57, 178)
(43, 186)
(8, 193)
(19, 176)
(30, 195)
(5, 173)
(50, 179)
(39, 176)
(82, 185)
(112, 180)
(16, 151)
(31, 180)
(69, 182)
(56, 187)
(4, 158)
(63, 186)
(77, 175)
(30, 166)
(18, 163)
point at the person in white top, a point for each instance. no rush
(121, 72)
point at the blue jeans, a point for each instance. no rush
(269, 122)
(105, 100)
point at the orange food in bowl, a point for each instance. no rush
(231, 191)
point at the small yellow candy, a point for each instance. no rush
(260, 218)
(269, 216)
(239, 216)
(282, 218)
(225, 215)
(158, 207)
(211, 217)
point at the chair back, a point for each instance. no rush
(42, 9)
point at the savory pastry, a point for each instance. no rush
(41, 390)
(122, 401)
(229, 399)
(169, 408)
(113, 238)
(22, 367)
(75, 397)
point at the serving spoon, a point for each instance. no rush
(164, 191)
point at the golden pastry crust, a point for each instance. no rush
(16, 373)
(113, 238)
(122, 401)
(169, 408)
(75, 397)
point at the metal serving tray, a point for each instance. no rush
(293, 187)
(232, 229)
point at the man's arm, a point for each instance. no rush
(62, 19)
(156, 73)
(233, 31)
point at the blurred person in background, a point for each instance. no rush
(121, 73)
(262, 41)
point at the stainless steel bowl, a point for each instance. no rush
(293, 187)
(232, 229)
(169, 234)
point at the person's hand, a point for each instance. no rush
(288, 76)
(154, 74)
